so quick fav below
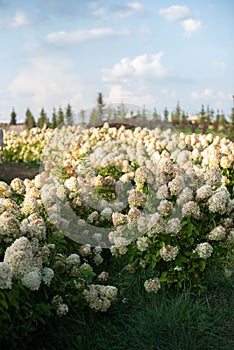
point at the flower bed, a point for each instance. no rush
(161, 203)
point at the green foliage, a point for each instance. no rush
(42, 120)
(29, 121)
(13, 117)
(69, 115)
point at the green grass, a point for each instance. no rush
(165, 321)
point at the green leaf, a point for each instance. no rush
(3, 302)
(202, 265)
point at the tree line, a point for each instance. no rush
(101, 112)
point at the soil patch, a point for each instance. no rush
(9, 171)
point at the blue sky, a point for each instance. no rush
(152, 53)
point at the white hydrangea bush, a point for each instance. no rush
(161, 201)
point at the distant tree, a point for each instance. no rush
(176, 115)
(184, 117)
(82, 116)
(156, 116)
(100, 106)
(231, 126)
(183, 121)
(29, 121)
(54, 123)
(97, 114)
(121, 111)
(208, 114)
(215, 126)
(13, 117)
(202, 112)
(212, 114)
(60, 117)
(69, 115)
(222, 120)
(217, 118)
(42, 120)
(166, 114)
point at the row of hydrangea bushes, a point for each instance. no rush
(158, 202)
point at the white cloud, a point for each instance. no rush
(130, 9)
(191, 26)
(137, 96)
(208, 92)
(184, 16)
(143, 66)
(175, 13)
(46, 84)
(19, 20)
(79, 36)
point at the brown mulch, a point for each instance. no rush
(9, 171)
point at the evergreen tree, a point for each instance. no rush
(54, 119)
(184, 117)
(97, 113)
(166, 114)
(222, 119)
(69, 115)
(82, 116)
(203, 115)
(29, 121)
(60, 117)
(176, 115)
(42, 120)
(13, 117)
(231, 126)
(208, 114)
(156, 116)
(100, 107)
(217, 119)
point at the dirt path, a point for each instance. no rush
(9, 171)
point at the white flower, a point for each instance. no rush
(218, 202)
(204, 192)
(47, 275)
(29, 205)
(106, 213)
(32, 280)
(142, 243)
(85, 250)
(119, 219)
(152, 285)
(213, 176)
(61, 192)
(6, 274)
(71, 184)
(217, 234)
(35, 226)
(156, 225)
(162, 192)
(100, 297)
(165, 207)
(204, 250)
(19, 256)
(185, 196)
(173, 226)
(73, 259)
(136, 198)
(5, 189)
(39, 181)
(191, 209)
(62, 309)
(169, 252)
(176, 185)
(17, 185)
